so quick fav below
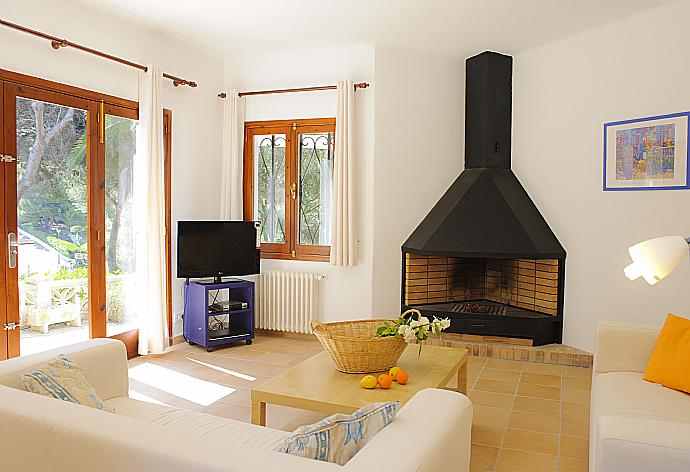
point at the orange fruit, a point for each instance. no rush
(385, 381)
(402, 377)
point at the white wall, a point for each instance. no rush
(196, 112)
(347, 292)
(419, 153)
(563, 93)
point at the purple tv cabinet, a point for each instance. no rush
(199, 297)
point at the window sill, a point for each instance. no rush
(298, 257)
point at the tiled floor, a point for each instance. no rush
(527, 417)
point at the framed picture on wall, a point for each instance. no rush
(647, 153)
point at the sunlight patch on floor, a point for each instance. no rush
(181, 385)
(225, 371)
(145, 398)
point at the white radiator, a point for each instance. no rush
(287, 301)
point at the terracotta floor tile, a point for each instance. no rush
(498, 386)
(530, 441)
(577, 372)
(573, 465)
(571, 382)
(490, 415)
(483, 457)
(498, 400)
(504, 364)
(539, 391)
(241, 396)
(283, 417)
(576, 448)
(576, 395)
(536, 368)
(487, 435)
(575, 410)
(519, 461)
(229, 410)
(540, 422)
(537, 405)
(500, 374)
(476, 361)
(541, 379)
(576, 427)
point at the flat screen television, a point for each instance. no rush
(216, 249)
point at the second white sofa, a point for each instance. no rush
(635, 426)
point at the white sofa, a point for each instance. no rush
(635, 426)
(430, 433)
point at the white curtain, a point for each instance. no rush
(231, 204)
(150, 215)
(343, 244)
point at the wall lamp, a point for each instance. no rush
(655, 258)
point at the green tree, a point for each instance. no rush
(120, 147)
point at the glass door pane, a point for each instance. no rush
(51, 194)
(120, 250)
(269, 186)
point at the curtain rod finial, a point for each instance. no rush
(222, 95)
(59, 44)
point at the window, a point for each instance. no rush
(288, 184)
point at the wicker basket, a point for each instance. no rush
(354, 347)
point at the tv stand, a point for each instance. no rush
(208, 323)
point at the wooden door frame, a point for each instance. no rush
(4, 344)
(95, 173)
(167, 182)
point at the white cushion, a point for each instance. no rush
(625, 393)
(637, 425)
(200, 424)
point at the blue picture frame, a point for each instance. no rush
(633, 134)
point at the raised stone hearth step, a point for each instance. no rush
(516, 349)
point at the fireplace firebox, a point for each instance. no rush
(513, 298)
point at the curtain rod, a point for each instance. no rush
(58, 43)
(358, 85)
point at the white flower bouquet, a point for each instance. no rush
(413, 330)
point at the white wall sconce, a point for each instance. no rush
(655, 258)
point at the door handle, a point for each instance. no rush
(12, 250)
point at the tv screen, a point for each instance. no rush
(216, 248)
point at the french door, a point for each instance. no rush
(68, 258)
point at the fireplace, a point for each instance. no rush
(515, 298)
(485, 256)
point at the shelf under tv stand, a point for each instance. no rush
(236, 325)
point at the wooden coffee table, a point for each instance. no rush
(316, 385)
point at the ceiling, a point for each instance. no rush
(449, 27)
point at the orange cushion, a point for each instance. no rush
(671, 357)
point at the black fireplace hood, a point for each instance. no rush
(486, 212)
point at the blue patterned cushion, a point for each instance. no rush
(62, 379)
(339, 437)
